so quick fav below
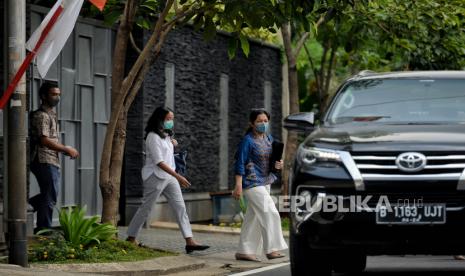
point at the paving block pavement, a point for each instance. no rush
(157, 266)
(219, 258)
(15, 270)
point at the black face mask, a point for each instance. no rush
(53, 102)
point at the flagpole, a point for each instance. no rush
(30, 56)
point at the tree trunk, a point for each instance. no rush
(112, 191)
(291, 143)
(115, 137)
(109, 185)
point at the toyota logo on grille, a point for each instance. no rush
(411, 161)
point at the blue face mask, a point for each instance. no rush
(168, 124)
(261, 127)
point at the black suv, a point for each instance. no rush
(381, 173)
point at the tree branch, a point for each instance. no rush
(300, 43)
(322, 65)
(118, 105)
(140, 75)
(185, 12)
(330, 68)
(322, 20)
(133, 44)
(327, 17)
(315, 73)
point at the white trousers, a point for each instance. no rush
(153, 187)
(261, 227)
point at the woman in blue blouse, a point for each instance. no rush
(262, 224)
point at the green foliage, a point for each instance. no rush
(383, 35)
(425, 34)
(81, 231)
(242, 18)
(399, 35)
(55, 249)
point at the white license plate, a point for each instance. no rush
(427, 213)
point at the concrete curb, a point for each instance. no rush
(203, 228)
(157, 266)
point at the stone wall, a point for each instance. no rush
(198, 66)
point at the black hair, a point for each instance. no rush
(155, 123)
(254, 113)
(45, 89)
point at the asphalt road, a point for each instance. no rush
(391, 265)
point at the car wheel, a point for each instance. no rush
(350, 262)
(304, 259)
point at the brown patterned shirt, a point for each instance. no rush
(45, 124)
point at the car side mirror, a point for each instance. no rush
(303, 121)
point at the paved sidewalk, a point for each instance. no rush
(157, 266)
(219, 258)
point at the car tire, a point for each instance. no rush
(350, 262)
(306, 261)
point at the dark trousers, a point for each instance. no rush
(48, 177)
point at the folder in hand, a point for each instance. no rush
(276, 154)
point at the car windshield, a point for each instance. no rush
(403, 101)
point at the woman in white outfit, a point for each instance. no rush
(262, 224)
(160, 177)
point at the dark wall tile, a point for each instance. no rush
(198, 67)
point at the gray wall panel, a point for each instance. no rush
(70, 180)
(68, 53)
(87, 158)
(68, 98)
(84, 60)
(87, 191)
(101, 51)
(101, 114)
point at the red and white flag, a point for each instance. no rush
(59, 33)
(48, 40)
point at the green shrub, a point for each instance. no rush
(78, 230)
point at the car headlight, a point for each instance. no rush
(310, 155)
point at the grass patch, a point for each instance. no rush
(54, 249)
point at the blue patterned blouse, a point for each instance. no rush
(253, 161)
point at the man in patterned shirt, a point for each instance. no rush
(45, 147)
